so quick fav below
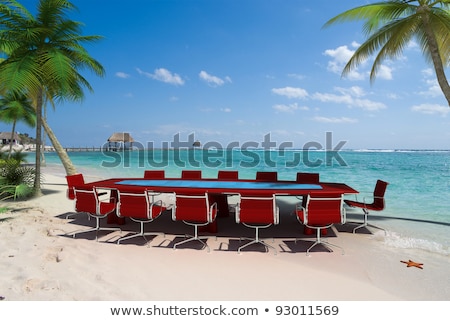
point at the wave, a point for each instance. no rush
(392, 239)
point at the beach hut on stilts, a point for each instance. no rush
(120, 141)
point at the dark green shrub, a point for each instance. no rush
(16, 179)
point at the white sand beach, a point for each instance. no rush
(40, 262)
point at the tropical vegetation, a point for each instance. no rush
(14, 107)
(16, 179)
(391, 25)
(43, 55)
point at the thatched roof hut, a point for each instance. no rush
(5, 138)
(120, 141)
(121, 137)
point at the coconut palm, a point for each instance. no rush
(391, 25)
(44, 56)
(16, 107)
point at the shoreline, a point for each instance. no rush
(40, 262)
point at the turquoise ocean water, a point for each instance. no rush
(417, 213)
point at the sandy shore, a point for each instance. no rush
(40, 261)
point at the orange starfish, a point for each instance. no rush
(412, 263)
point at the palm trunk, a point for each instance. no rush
(62, 154)
(37, 177)
(12, 139)
(436, 56)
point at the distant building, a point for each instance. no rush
(120, 141)
(5, 138)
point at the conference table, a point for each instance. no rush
(219, 189)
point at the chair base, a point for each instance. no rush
(138, 234)
(76, 213)
(96, 231)
(326, 244)
(193, 238)
(257, 241)
(365, 224)
(319, 240)
(98, 228)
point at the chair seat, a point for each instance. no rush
(376, 205)
(371, 207)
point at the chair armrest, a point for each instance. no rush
(159, 204)
(300, 208)
(212, 209)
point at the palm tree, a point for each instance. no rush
(16, 107)
(44, 56)
(391, 25)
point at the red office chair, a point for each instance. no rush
(191, 174)
(87, 201)
(228, 175)
(141, 208)
(267, 176)
(154, 174)
(321, 213)
(72, 181)
(308, 178)
(194, 210)
(377, 204)
(257, 213)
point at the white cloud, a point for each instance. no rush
(291, 92)
(122, 75)
(428, 72)
(163, 75)
(351, 97)
(296, 76)
(288, 108)
(341, 56)
(367, 104)
(340, 99)
(355, 91)
(213, 80)
(433, 90)
(384, 72)
(335, 120)
(226, 110)
(431, 109)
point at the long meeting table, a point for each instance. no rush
(219, 189)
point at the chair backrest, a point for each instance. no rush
(72, 181)
(267, 176)
(86, 200)
(324, 210)
(228, 175)
(195, 208)
(154, 174)
(378, 194)
(134, 205)
(257, 210)
(308, 178)
(191, 174)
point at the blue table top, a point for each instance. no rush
(220, 184)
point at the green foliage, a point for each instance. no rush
(16, 180)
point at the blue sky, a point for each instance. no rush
(236, 70)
